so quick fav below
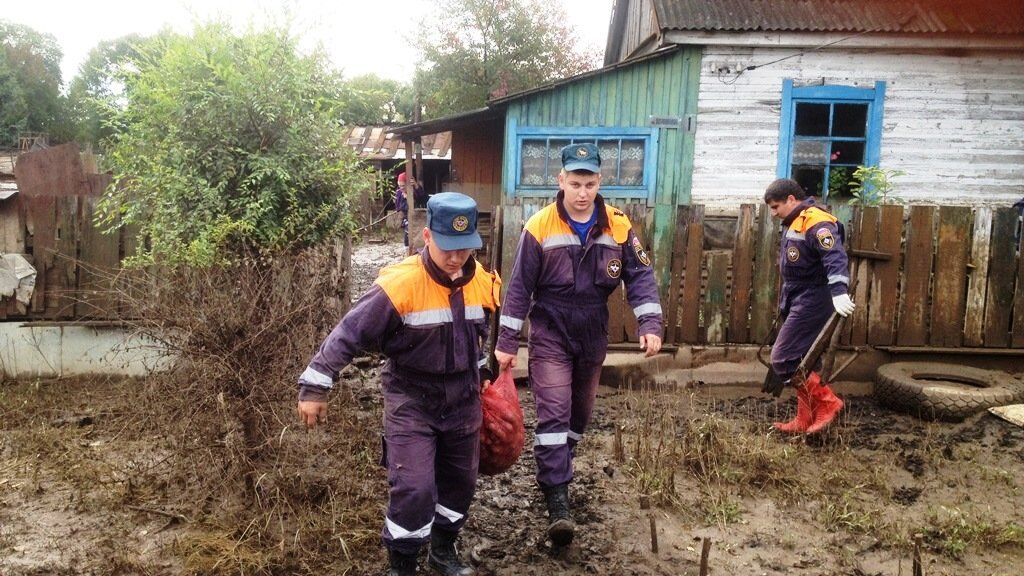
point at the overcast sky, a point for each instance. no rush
(361, 36)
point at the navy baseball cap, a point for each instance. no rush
(581, 156)
(451, 217)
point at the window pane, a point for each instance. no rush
(609, 150)
(847, 152)
(631, 165)
(850, 120)
(555, 160)
(810, 152)
(809, 178)
(811, 119)
(534, 157)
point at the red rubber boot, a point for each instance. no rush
(826, 407)
(804, 409)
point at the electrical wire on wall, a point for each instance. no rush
(733, 80)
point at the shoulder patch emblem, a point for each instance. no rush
(460, 223)
(792, 254)
(614, 268)
(640, 254)
(825, 238)
(618, 212)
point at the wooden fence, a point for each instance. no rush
(923, 276)
(75, 261)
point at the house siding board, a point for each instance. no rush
(954, 124)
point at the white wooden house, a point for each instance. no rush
(809, 89)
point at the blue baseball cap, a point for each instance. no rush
(451, 218)
(581, 156)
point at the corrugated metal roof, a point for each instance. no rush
(380, 143)
(904, 16)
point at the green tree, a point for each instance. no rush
(228, 144)
(96, 93)
(30, 76)
(480, 49)
(370, 99)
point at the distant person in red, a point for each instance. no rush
(402, 202)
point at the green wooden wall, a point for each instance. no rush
(623, 97)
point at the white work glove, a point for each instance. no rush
(843, 305)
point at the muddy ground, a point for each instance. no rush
(89, 487)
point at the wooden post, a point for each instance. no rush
(742, 275)
(705, 552)
(654, 534)
(918, 570)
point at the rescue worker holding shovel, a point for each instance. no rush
(815, 281)
(572, 254)
(429, 315)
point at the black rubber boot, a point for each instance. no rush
(401, 564)
(443, 556)
(561, 528)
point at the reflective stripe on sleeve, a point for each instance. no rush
(649, 308)
(511, 323)
(311, 376)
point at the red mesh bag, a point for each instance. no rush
(502, 432)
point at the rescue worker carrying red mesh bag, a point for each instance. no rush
(429, 315)
(572, 255)
(815, 281)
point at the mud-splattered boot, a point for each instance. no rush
(401, 564)
(804, 411)
(826, 406)
(561, 528)
(443, 556)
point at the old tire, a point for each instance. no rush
(948, 392)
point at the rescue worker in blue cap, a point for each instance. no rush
(572, 255)
(429, 315)
(815, 281)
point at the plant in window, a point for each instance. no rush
(872, 186)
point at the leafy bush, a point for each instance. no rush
(229, 144)
(872, 186)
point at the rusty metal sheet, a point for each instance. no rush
(55, 171)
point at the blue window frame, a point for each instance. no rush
(628, 159)
(826, 132)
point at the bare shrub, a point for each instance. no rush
(263, 497)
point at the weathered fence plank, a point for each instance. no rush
(920, 247)
(715, 296)
(61, 297)
(948, 299)
(974, 320)
(676, 275)
(41, 221)
(865, 239)
(766, 275)
(999, 297)
(742, 275)
(690, 315)
(99, 263)
(1018, 300)
(885, 280)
